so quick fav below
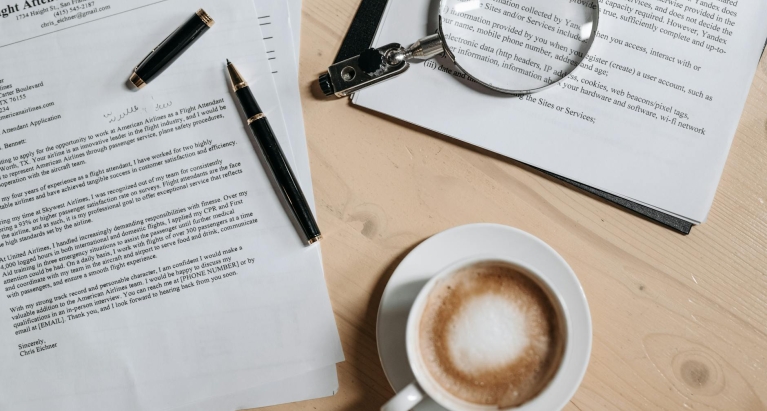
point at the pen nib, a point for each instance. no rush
(237, 81)
(228, 62)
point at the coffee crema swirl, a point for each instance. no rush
(490, 334)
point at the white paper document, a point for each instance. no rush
(273, 18)
(649, 116)
(294, 11)
(314, 384)
(280, 48)
(145, 255)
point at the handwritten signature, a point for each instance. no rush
(163, 106)
(119, 117)
(113, 118)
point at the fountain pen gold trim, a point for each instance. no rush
(205, 18)
(238, 82)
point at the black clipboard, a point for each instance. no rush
(360, 37)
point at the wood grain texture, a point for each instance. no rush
(680, 323)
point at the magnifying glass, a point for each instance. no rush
(510, 46)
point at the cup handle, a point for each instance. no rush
(405, 399)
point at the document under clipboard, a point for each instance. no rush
(360, 36)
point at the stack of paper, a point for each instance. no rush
(147, 261)
(649, 116)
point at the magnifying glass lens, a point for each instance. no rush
(518, 46)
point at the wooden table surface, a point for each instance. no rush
(680, 322)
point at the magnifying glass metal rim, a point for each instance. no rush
(344, 78)
(450, 54)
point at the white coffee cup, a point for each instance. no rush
(554, 396)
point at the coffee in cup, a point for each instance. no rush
(491, 333)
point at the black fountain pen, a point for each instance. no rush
(271, 150)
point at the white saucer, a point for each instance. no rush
(458, 243)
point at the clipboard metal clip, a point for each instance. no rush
(371, 67)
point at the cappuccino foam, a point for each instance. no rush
(491, 335)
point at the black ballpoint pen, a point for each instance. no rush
(274, 156)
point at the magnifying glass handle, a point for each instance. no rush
(423, 49)
(376, 65)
